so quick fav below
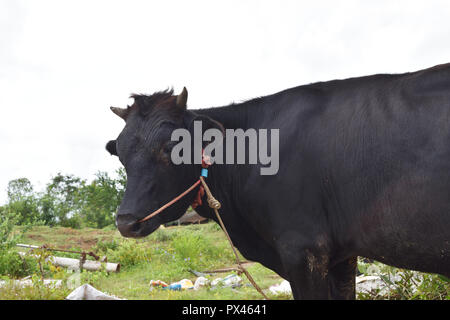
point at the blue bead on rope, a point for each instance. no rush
(204, 172)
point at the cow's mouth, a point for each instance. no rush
(136, 229)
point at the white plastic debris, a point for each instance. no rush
(88, 292)
(283, 288)
(231, 280)
(215, 282)
(369, 283)
(28, 283)
(200, 282)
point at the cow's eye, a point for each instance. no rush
(163, 155)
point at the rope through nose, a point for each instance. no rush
(168, 204)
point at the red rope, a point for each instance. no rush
(206, 162)
(154, 213)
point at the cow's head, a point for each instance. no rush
(144, 148)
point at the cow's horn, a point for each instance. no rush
(121, 112)
(182, 98)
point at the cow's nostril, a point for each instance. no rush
(127, 225)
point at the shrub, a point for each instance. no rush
(11, 263)
(163, 235)
(92, 277)
(104, 246)
(197, 252)
(129, 253)
(14, 266)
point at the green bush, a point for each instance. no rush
(92, 277)
(129, 253)
(104, 246)
(15, 266)
(7, 222)
(163, 235)
(11, 263)
(197, 252)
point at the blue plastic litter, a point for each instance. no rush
(175, 286)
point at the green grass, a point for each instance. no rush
(168, 255)
(66, 238)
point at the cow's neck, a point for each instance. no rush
(225, 180)
(233, 184)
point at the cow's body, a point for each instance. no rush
(364, 171)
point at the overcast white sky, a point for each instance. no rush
(63, 63)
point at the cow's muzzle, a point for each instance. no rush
(128, 225)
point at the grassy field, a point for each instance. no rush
(168, 255)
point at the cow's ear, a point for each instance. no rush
(111, 147)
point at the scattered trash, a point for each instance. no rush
(383, 283)
(157, 284)
(369, 283)
(181, 285)
(283, 288)
(200, 282)
(88, 292)
(231, 280)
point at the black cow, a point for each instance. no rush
(364, 171)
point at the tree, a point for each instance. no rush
(67, 200)
(101, 199)
(22, 201)
(19, 189)
(61, 201)
(47, 208)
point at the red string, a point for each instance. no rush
(206, 162)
